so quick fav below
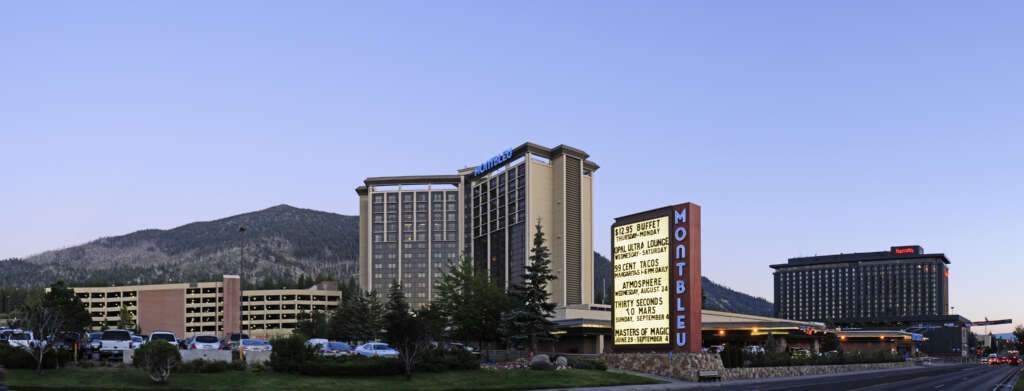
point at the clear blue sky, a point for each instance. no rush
(801, 127)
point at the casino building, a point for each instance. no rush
(412, 227)
(903, 289)
(902, 282)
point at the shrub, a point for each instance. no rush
(732, 356)
(586, 363)
(783, 359)
(440, 360)
(353, 366)
(158, 359)
(290, 353)
(204, 366)
(16, 358)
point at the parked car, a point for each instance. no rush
(201, 342)
(231, 342)
(464, 347)
(754, 349)
(137, 341)
(114, 342)
(376, 349)
(183, 344)
(800, 353)
(22, 339)
(94, 340)
(317, 342)
(5, 334)
(254, 345)
(715, 349)
(335, 349)
(165, 336)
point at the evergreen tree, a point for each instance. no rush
(344, 325)
(470, 304)
(403, 331)
(374, 320)
(532, 309)
(1018, 332)
(313, 325)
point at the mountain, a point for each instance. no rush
(279, 246)
(716, 297)
(279, 243)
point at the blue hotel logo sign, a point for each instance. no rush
(493, 162)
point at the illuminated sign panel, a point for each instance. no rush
(641, 273)
(493, 162)
(907, 250)
(656, 277)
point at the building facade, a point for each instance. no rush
(413, 227)
(903, 282)
(206, 308)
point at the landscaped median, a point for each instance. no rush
(72, 379)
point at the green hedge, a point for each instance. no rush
(585, 363)
(290, 354)
(438, 360)
(18, 358)
(352, 366)
(734, 358)
(204, 366)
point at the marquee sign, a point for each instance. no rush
(656, 278)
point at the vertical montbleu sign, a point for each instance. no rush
(656, 277)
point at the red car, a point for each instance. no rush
(1012, 360)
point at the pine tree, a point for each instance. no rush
(470, 304)
(403, 331)
(530, 316)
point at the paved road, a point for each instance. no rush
(938, 378)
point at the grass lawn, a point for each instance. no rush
(1020, 384)
(132, 379)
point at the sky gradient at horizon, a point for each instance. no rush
(801, 128)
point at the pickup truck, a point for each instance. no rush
(115, 342)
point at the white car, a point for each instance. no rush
(205, 342)
(754, 349)
(254, 345)
(165, 336)
(137, 341)
(22, 339)
(114, 342)
(376, 349)
(317, 342)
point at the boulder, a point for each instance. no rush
(541, 362)
(561, 363)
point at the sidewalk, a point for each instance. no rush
(676, 384)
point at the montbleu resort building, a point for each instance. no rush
(207, 308)
(412, 227)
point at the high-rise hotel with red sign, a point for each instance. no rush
(904, 283)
